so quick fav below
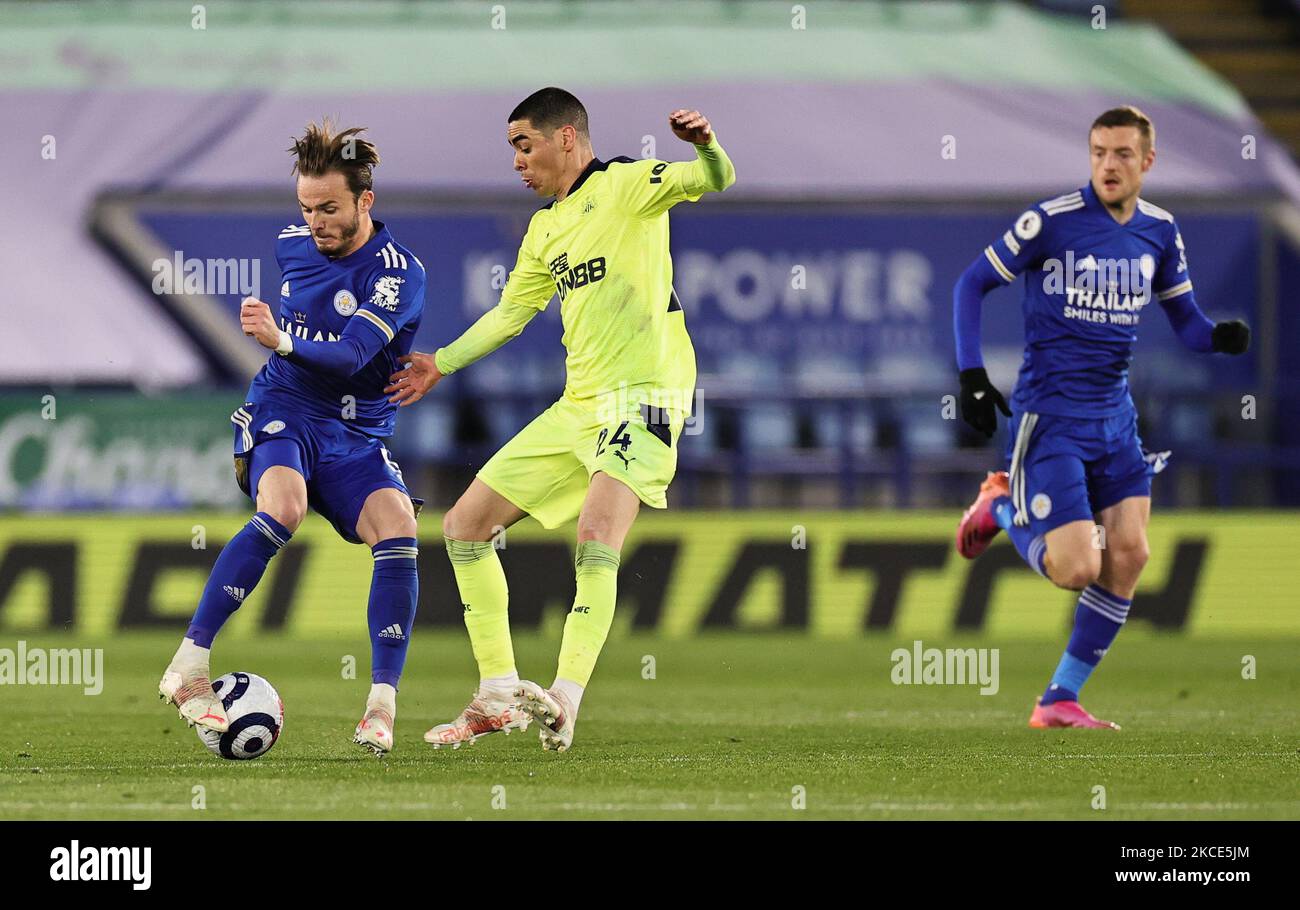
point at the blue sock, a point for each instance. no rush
(1033, 550)
(1097, 620)
(235, 574)
(394, 589)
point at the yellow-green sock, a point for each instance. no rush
(588, 622)
(485, 599)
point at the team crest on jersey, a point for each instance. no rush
(274, 426)
(386, 292)
(1028, 225)
(344, 303)
(1041, 506)
(1147, 266)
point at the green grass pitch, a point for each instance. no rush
(730, 727)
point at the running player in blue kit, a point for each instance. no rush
(310, 432)
(1092, 259)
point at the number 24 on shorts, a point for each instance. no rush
(621, 438)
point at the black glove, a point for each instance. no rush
(978, 398)
(1230, 337)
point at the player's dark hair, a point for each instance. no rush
(548, 109)
(322, 150)
(1128, 116)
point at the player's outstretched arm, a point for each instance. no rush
(354, 349)
(979, 397)
(493, 329)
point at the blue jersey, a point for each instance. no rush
(382, 284)
(1088, 279)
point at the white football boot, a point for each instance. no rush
(553, 711)
(190, 690)
(375, 731)
(486, 713)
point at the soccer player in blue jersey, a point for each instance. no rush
(310, 432)
(1093, 259)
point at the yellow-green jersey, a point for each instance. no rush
(604, 250)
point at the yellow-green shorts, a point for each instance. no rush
(546, 468)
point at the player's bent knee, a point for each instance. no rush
(602, 532)
(603, 528)
(451, 525)
(400, 526)
(1128, 561)
(1138, 556)
(1074, 580)
(288, 513)
(456, 525)
(282, 494)
(590, 527)
(1075, 576)
(387, 513)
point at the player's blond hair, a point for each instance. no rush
(1128, 115)
(322, 150)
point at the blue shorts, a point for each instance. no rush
(341, 464)
(1067, 469)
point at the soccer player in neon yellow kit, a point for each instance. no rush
(610, 442)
